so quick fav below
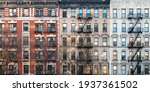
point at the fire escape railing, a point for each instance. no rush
(134, 46)
(84, 45)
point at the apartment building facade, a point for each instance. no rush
(129, 34)
(28, 37)
(77, 37)
(84, 37)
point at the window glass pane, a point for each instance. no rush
(96, 41)
(72, 12)
(96, 12)
(95, 27)
(25, 26)
(64, 27)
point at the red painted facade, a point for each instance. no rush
(40, 23)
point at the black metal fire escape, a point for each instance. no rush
(132, 45)
(41, 43)
(84, 45)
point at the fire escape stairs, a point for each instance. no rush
(83, 46)
(135, 47)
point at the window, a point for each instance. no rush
(64, 41)
(146, 41)
(39, 55)
(123, 69)
(51, 41)
(80, 41)
(38, 27)
(146, 27)
(73, 41)
(130, 26)
(88, 39)
(123, 13)
(146, 55)
(123, 27)
(104, 41)
(51, 27)
(80, 55)
(123, 41)
(12, 27)
(96, 55)
(81, 70)
(25, 12)
(88, 69)
(51, 55)
(39, 12)
(1, 12)
(114, 69)
(25, 55)
(88, 55)
(12, 12)
(38, 41)
(138, 12)
(130, 12)
(64, 13)
(146, 13)
(104, 27)
(73, 27)
(114, 55)
(64, 27)
(25, 27)
(88, 27)
(80, 12)
(104, 13)
(114, 13)
(104, 56)
(95, 27)
(104, 70)
(73, 12)
(138, 41)
(25, 69)
(96, 70)
(80, 27)
(73, 56)
(64, 55)
(2, 27)
(96, 13)
(114, 27)
(138, 27)
(123, 55)
(147, 69)
(65, 69)
(52, 12)
(25, 40)
(12, 69)
(13, 41)
(88, 12)
(130, 55)
(114, 41)
(51, 69)
(39, 69)
(95, 41)
(12, 55)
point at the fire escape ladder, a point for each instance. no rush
(84, 24)
(87, 59)
(134, 54)
(133, 45)
(132, 72)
